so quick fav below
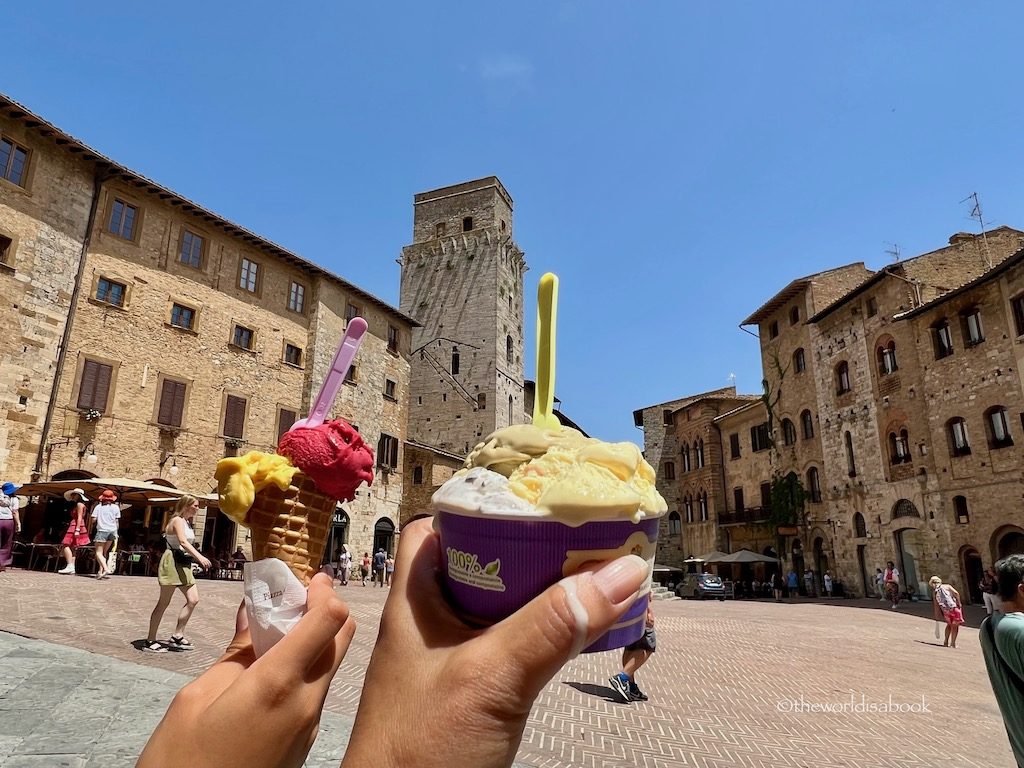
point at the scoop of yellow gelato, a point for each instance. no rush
(240, 478)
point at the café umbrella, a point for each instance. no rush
(129, 491)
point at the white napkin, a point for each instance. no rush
(275, 600)
(938, 632)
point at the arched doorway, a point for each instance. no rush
(908, 545)
(1007, 540)
(971, 571)
(384, 535)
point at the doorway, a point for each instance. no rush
(798, 565)
(908, 548)
(384, 536)
(972, 571)
(1010, 543)
(338, 536)
(862, 565)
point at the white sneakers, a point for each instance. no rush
(67, 569)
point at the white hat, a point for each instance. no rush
(70, 495)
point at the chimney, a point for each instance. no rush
(961, 237)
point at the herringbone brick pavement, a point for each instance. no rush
(732, 684)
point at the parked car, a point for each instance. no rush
(701, 585)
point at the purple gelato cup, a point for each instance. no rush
(495, 566)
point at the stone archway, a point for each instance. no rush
(384, 535)
(1007, 540)
(73, 474)
(971, 571)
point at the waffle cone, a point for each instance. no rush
(292, 525)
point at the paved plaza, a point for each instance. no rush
(732, 684)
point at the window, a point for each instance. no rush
(6, 251)
(191, 253)
(860, 530)
(510, 421)
(807, 424)
(899, 447)
(703, 506)
(508, 349)
(670, 470)
(688, 508)
(242, 337)
(959, 443)
(417, 475)
(350, 374)
(172, 403)
(293, 355)
(439, 229)
(788, 432)
(773, 329)
(110, 292)
(1017, 305)
(182, 316)
(510, 301)
(297, 297)
(351, 312)
(734, 445)
(737, 497)
(285, 418)
(686, 457)
(666, 418)
(794, 315)
(842, 378)
(13, 162)
(455, 360)
(675, 525)
(481, 402)
(94, 386)
(387, 451)
(887, 359)
(872, 306)
(390, 388)
(851, 465)
(759, 437)
(971, 326)
(122, 219)
(998, 427)
(698, 449)
(234, 416)
(963, 517)
(248, 277)
(799, 362)
(942, 339)
(467, 224)
(766, 495)
(813, 485)
(392, 340)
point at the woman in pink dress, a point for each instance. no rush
(78, 530)
(946, 606)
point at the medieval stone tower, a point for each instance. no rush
(462, 278)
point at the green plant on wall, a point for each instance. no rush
(788, 497)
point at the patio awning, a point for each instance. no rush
(130, 491)
(746, 556)
(714, 556)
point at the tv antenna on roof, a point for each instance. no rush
(976, 215)
(732, 379)
(894, 251)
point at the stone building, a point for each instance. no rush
(185, 338)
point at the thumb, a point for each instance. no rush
(554, 627)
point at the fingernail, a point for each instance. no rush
(622, 578)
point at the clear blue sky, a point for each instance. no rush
(675, 163)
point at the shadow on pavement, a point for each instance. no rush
(595, 690)
(973, 614)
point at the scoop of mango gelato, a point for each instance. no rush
(240, 478)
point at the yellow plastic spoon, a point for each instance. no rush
(547, 310)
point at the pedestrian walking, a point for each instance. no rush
(364, 567)
(634, 656)
(792, 584)
(78, 533)
(107, 514)
(989, 591)
(880, 584)
(344, 565)
(946, 606)
(777, 586)
(175, 572)
(1002, 641)
(379, 559)
(891, 579)
(10, 523)
(809, 583)
(827, 579)
(389, 570)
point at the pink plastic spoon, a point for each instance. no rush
(336, 376)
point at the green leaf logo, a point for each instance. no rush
(492, 568)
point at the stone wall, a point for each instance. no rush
(426, 470)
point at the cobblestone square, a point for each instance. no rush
(732, 684)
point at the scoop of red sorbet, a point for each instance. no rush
(333, 454)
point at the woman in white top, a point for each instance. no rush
(174, 573)
(10, 523)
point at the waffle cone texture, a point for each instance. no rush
(292, 525)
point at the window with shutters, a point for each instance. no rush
(285, 418)
(172, 403)
(392, 340)
(759, 437)
(94, 387)
(123, 219)
(387, 451)
(734, 445)
(234, 416)
(417, 475)
(737, 499)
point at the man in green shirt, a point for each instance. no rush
(1002, 642)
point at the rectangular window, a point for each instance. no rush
(734, 445)
(389, 389)
(773, 329)
(872, 307)
(439, 229)
(234, 417)
(1018, 314)
(350, 374)
(285, 419)
(293, 355)
(6, 249)
(248, 278)
(297, 298)
(122, 219)
(766, 495)
(182, 316)
(759, 437)
(95, 386)
(387, 451)
(13, 162)
(110, 292)
(351, 311)
(467, 224)
(973, 334)
(242, 337)
(392, 340)
(666, 418)
(737, 497)
(670, 470)
(943, 340)
(172, 403)
(191, 253)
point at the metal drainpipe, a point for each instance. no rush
(98, 180)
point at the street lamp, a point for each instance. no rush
(90, 458)
(173, 469)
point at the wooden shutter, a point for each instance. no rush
(95, 385)
(234, 416)
(285, 419)
(172, 403)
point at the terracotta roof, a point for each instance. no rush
(743, 407)
(75, 146)
(725, 393)
(787, 293)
